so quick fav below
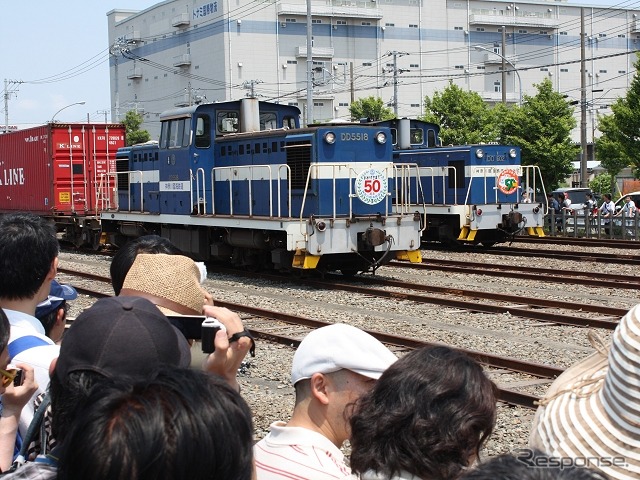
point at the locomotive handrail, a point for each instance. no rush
(203, 197)
(433, 175)
(233, 172)
(400, 175)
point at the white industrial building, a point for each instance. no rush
(178, 53)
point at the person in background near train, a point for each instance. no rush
(52, 312)
(173, 284)
(629, 207)
(554, 208)
(565, 201)
(525, 198)
(332, 367)
(607, 210)
(427, 418)
(176, 423)
(28, 262)
(527, 464)
(126, 255)
(589, 203)
(12, 397)
(589, 415)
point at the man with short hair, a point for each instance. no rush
(28, 261)
(332, 368)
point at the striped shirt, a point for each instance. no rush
(295, 453)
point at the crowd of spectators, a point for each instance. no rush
(126, 392)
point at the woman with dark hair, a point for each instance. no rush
(178, 423)
(426, 418)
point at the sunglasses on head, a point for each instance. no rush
(8, 376)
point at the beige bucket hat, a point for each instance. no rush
(171, 282)
(591, 412)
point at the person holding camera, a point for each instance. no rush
(17, 386)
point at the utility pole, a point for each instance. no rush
(251, 85)
(309, 66)
(351, 79)
(584, 175)
(99, 112)
(396, 71)
(503, 87)
(7, 96)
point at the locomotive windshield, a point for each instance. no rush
(175, 133)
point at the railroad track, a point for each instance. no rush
(559, 254)
(514, 305)
(530, 273)
(585, 242)
(289, 330)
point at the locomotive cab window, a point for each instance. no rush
(227, 122)
(289, 122)
(175, 133)
(268, 121)
(431, 138)
(417, 137)
(203, 131)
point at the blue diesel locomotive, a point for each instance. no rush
(241, 182)
(473, 194)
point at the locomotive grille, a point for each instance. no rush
(122, 165)
(299, 161)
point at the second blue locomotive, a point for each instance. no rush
(472, 194)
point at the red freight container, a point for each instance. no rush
(58, 169)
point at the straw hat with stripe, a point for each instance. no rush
(171, 282)
(592, 411)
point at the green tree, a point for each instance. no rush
(463, 116)
(601, 184)
(542, 128)
(132, 121)
(609, 149)
(372, 108)
(619, 144)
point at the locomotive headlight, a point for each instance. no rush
(479, 153)
(512, 153)
(330, 138)
(381, 138)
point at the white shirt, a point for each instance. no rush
(296, 453)
(39, 358)
(629, 208)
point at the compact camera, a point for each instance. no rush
(19, 378)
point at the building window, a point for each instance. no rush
(290, 20)
(458, 28)
(543, 32)
(602, 71)
(415, 104)
(622, 35)
(479, 29)
(366, 24)
(413, 25)
(366, 64)
(389, 24)
(602, 35)
(292, 62)
(482, 67)
(496, 87)
(622, 71)
(318, 104)
(343, 104)
(414, 65)
(316, 21)
(544, 69)
(564, 70)
(564, 33)
(459, 67)
(341, 22)
(522, 31)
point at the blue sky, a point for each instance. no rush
(66, 43)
